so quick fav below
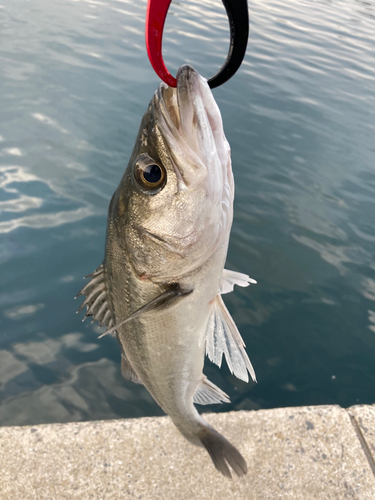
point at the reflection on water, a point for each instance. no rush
(300, 118)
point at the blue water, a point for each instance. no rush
(300, 118)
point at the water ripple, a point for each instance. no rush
(300, 118)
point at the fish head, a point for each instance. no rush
(173, 208)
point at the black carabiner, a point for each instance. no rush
(238, 16)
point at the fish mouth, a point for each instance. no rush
(199, 115)
(190, 123)
(197, 106)
(184, 102)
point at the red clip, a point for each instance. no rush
(155, 19)
(238, 17)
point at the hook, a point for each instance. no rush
(238, 16)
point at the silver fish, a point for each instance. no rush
(160, 285)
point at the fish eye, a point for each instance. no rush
(150, 175)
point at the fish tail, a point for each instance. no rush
(200, 433)
(222, 452)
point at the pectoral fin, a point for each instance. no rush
(223, 337)
(165, 299)
(208, 393)
(231, 278)
(96, 298)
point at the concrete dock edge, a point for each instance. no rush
(322, 452)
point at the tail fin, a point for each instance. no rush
(222, 452)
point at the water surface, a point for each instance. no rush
(300, 118)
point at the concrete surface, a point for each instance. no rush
(323, 452)
(364, 418)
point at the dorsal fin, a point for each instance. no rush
(127, 370)
(96, 298)
(222, 337)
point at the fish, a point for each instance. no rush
(159, 288)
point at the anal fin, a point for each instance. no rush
(208, 393)
(223, 337)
